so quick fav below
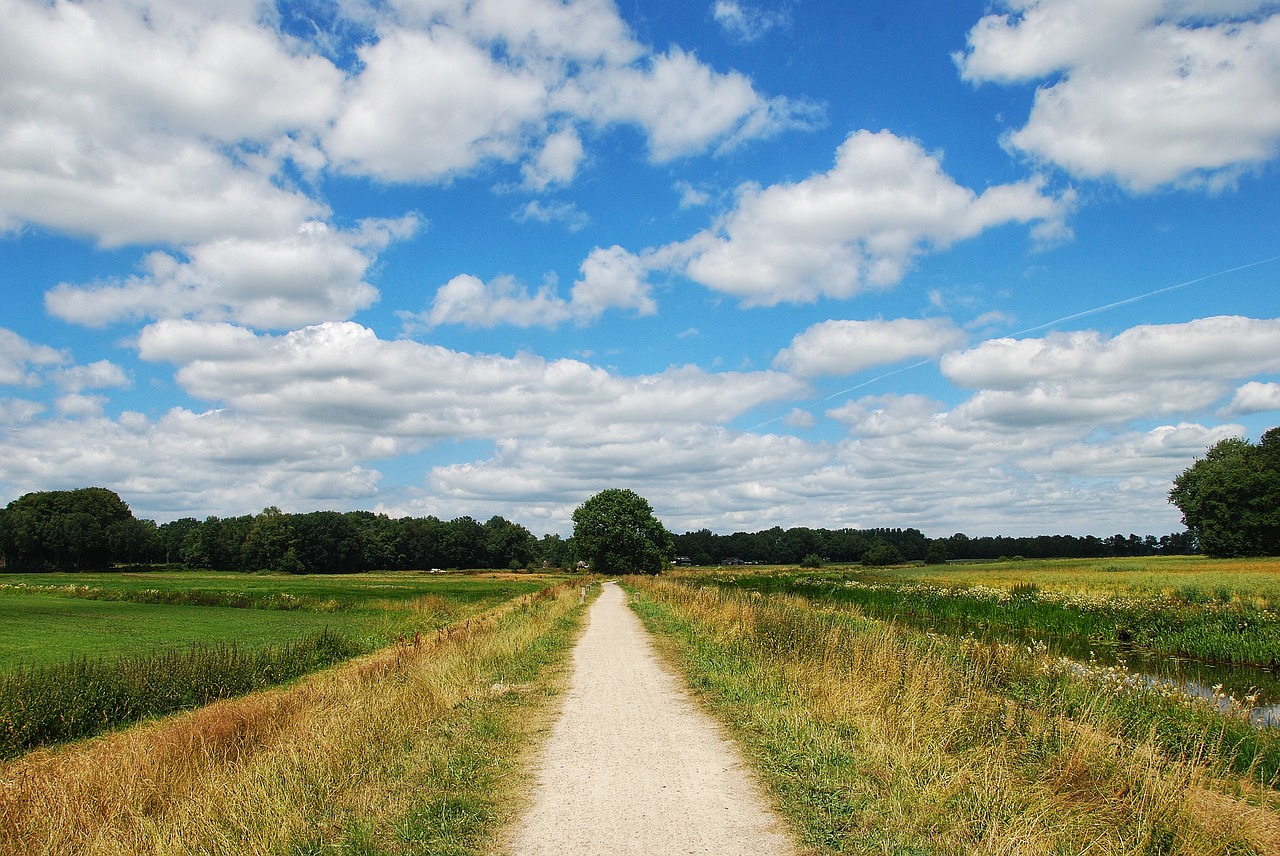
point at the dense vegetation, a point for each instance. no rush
(93, 528)
(615, 532)
(1230, 498)
(777, 546)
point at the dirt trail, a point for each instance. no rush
(632, 766)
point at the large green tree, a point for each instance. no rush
(63, 530)
(1230, 498)
(615, 531)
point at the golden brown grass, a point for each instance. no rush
(874, 739)
(404, 750)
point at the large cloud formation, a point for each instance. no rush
(1146, 92)
(855, 228)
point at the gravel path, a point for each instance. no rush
(632, 766)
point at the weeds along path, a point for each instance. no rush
(632, 766)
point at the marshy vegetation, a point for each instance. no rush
(877, 736)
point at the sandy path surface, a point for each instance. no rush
(632, 766)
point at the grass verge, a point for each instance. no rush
(413, 749)
(875, 739)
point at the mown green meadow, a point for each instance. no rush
(50, 618)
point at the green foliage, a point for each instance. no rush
(813, 560)
(937, 553)
(71, 530)
(50, 704)
(1230, 499)
(616, 532)
(882, 553)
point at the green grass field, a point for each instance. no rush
(42, 621)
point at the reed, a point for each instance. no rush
(874, 738)
(417, 748)
(84, 697)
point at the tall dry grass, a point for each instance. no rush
(875, 739)
(411, 749)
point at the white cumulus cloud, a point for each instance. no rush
(1255, 397)
(854, 228)
(1146, 93)
(316, 274)
(846, 347)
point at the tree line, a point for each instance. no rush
(779, 546)
(93, 528)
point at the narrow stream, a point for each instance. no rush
(1193, 677)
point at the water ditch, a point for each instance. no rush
(1255, 687)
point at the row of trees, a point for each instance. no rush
(890, 546)
(1230, 502)
(94, 528)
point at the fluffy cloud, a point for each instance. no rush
(848, 347)
(18, 357)
(465, 299)
(316, 274)
(431, 104)
(194, 463)
(1150, 370)
(1161, 452)
(118, 123)
(98, 375)
(854, 228)
(1147, 93)
(558, 161)
(131, 125)
(612, 278)
(1255, 397)
(511, 80)
(341, 373)
(1219, 347)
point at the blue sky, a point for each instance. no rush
(993, 268)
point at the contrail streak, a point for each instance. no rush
(1056, 322)
(1129, 300)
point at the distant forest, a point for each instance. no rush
(92, 528)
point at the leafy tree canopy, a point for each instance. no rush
(1230, 498)
(66, 529)
(616, 532)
